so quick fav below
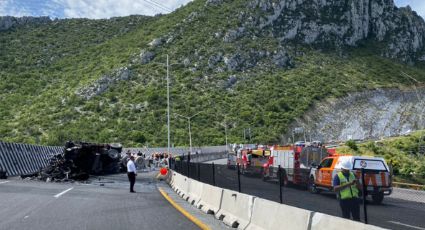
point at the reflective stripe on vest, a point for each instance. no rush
(349, 192)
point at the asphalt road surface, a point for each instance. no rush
(103, 204)
(404, 209)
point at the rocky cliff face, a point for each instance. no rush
(7, 22)
(336, 23)
(370, 114)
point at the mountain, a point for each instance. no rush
(256, 66)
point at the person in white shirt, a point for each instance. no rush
(131, 173)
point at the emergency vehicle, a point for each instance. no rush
(295, 162)
(378, 176)
(250, 160)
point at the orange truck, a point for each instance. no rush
(378, 178)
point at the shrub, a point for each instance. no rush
(352, 144)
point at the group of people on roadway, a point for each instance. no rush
(140, 161)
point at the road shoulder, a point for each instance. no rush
(208, 220)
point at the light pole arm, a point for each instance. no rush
(195, 114)
(181, 116)
(190, 132)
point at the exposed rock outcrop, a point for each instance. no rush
(213, 2)
(156, 42)
(104, 83)
(282, 59)
(232, 35)
(7, 22)
(365, 115)
(333, 23)
(146, 56)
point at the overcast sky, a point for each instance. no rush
(113, 8)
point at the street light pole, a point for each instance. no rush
(190, 138)
(224, 124)
(168, 108)
(190, 133)
(225, 134)
(168, 99)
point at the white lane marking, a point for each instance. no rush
(407, 225)
(60, 194)
(25, 217)
(3, 182)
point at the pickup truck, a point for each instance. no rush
(378, 176)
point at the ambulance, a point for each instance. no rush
(378, 177)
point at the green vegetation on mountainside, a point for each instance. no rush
(43, 66)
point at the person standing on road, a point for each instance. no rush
(131, 173)
(244, 162)
(346, 185)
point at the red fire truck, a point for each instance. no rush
(294, 161)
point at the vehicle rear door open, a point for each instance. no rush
(377, 172)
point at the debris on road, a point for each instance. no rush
(3, 174)
(79, 161)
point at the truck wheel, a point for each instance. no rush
(312, 187)
(265, 178)
(378, 198)
(263, 175)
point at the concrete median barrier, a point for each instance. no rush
(185, 190)
(244, 211)
(195, 191)
(235, 209)
(183, 187)
(210, 199)
(172, 177)
(169, 177)
(323, 221)
(271, 215)
(175, 181)
(178, 183)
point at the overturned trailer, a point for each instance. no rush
(79, 160)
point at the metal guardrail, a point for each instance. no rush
(410, 186)
(178, 151)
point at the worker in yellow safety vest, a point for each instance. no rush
(347, 186)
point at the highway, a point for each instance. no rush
(103, 204)
(404, 209)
